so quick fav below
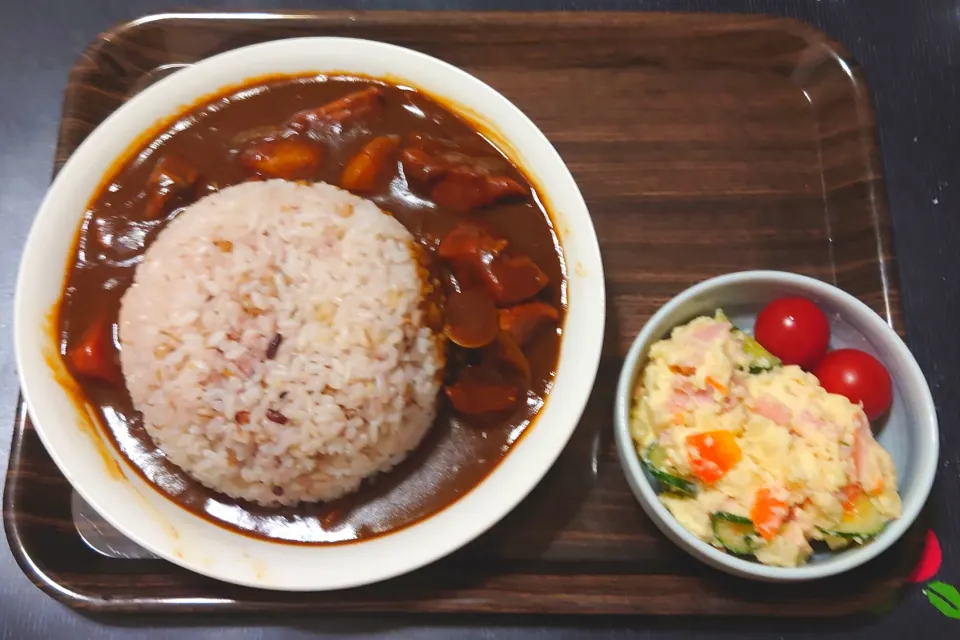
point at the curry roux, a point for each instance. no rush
(212, 136)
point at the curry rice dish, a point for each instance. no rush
(315, 309)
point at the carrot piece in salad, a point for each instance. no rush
(716, 384)
(768, 513)
(712, 454)
(851, 493)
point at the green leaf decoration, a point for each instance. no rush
(945, 598)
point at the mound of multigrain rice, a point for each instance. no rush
(275, 341)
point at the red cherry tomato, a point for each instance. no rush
(793, 329)
(858, 376)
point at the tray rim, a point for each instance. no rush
(717, 22)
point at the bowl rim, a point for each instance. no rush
(147, 511)
(927, 453)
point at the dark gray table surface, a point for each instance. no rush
(910, 52)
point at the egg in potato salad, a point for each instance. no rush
(754, 457)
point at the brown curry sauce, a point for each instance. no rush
(216, 139)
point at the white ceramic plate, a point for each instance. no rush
(143, 514)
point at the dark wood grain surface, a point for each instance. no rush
(703, 145)
(922, 239)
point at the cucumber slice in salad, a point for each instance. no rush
(760, 359)
(835, 543)
(735, 533)
(656, 462)
(861, 523)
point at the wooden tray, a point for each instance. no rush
(703, 145)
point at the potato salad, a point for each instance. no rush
(753, 456)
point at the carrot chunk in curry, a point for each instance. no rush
(283, 158)
(94, 354)
(360, 174)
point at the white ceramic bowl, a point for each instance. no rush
(139, 511)
(909, 433)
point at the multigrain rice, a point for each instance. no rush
(275, 342)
